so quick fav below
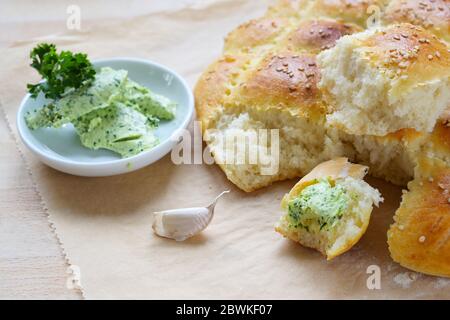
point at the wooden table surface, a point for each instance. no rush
(32, 264)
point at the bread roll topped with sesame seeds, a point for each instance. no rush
(356, 11)
(329, 209)
(269, 80)
(383, 80)
(289, 8)
(255, 33)
(313, 36)
(433, 15)
(420, 237)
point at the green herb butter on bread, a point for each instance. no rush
(329, 209)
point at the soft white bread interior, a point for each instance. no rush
(329, 209)
(383, 80)
(420, 237)
(254, 153)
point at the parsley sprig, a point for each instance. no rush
(62, 71)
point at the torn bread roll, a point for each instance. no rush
(382, 80)
(329, 209)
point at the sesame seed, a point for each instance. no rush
(308, 86)
(401, 227)
(301, 69)
(396, 37)
(430, 57)
(437, 54)
(422, 239)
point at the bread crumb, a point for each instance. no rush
(442, 283)
(405, 279)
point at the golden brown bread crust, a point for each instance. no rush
(313, 36)
(288, 8)
(440, 137)
(287, 77)
(355, 11)
(254, 33)
(420, 237)
(336, 168)
(433, 15)
(284, 80)
(215, 84)
(405, 49)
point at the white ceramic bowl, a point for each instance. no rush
(61, 148)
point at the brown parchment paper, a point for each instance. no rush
(104, 224)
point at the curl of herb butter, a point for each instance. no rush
(318, 207)
(112, 112)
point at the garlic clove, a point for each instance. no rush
(181, 224)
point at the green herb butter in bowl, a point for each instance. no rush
(124, 115)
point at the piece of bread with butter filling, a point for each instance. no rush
(329, 209)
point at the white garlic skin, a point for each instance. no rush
(181, 224)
